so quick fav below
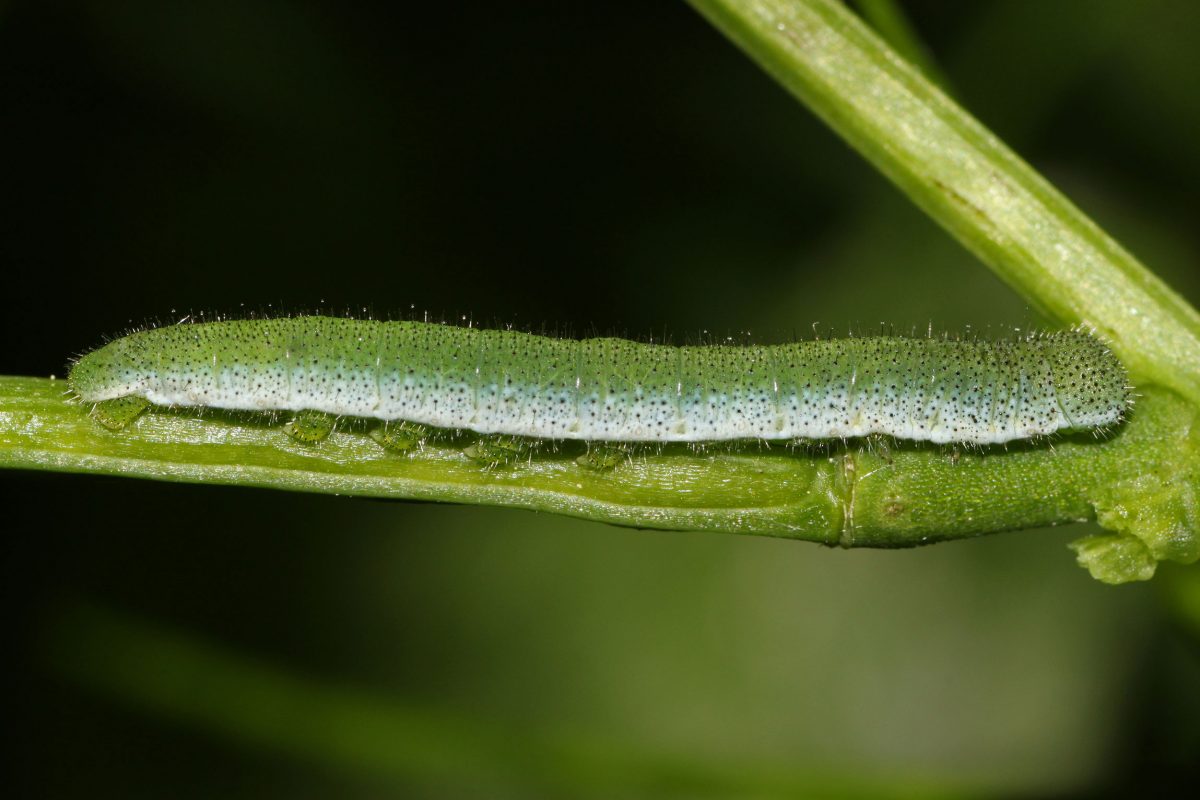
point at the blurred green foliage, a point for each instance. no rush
(613, 167)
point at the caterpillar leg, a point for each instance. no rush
(117, 413)
(400, 437)
(602, 457)
(496, 451)
(880, 445)
(811, 447)
(309, 427)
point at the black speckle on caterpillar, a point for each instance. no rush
(608, 391)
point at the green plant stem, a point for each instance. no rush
(889, 21)
(849, 496)
(1143, 483)
(968, 181)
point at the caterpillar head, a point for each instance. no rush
(1091, 384)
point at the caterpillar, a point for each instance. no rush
(608, 390)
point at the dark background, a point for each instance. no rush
(613, 167)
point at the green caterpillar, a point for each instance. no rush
(607, 390)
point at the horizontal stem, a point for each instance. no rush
(848, 495)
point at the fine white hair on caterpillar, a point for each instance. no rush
(602, 390)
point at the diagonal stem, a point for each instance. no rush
(969, 181)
